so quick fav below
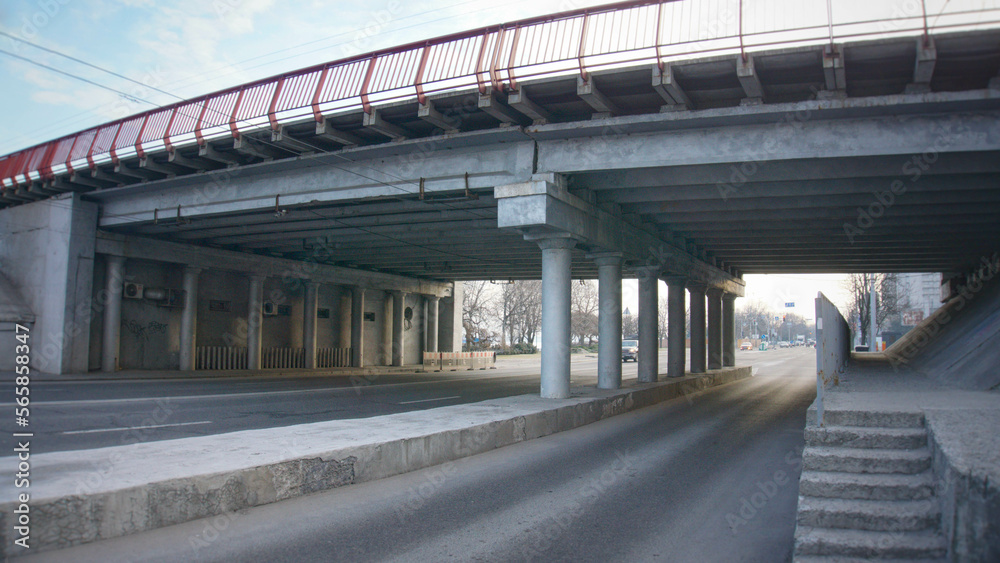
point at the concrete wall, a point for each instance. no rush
(150, 332)
(833, 348)
(450, 330)
(222, 328)
(959, 344)
(47, 252)
(374, 304)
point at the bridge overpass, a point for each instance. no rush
(602, 143)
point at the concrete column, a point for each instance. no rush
(649, 340)
(357, 327)
(398, 340)
(385, 350)
(433, 304)
(344, 341)
(189, 318)
(698, 347)
(309, 323)
(556, 333)
(714, 298)
(111, 343)
(728, 329)
(676, 334)
(255, 321)
(423, 323)
(609, 320)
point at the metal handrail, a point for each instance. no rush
(495, 57)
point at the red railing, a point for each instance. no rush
(495, 57)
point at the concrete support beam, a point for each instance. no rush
(375, 122)
(503, 113)
(676, 333)
(431, 115)
(433, 310)
(140, 173)
(385, 349)
(923, 68)
(519, 100)
(556, 286)
(714, 299)
(109, 179)
(588, 92)
(176, 158)
(344, 339)
(209, 152)
(254, 149)
(609, 320)
(327, 130)
(309, 309)
(398, 328)
(728, 330)
(189, 318)
(699, 350)
(649, 341)
(357, 327)
(668, 88)
(82, 179)
(167, 170)
(833, 69)
(749, 79)
(111, 343)
(544, 205)
(255, 322)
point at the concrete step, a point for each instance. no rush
(866, 437)
(875, 515)
(896, 419)
(863, 460)
(865, 544)
(866, 486)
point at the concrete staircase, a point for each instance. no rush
(867, 491)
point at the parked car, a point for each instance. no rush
(746, 345)
(630, 350)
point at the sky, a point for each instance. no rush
(190, 47)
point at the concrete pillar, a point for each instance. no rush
(676, 333)
(699, 350)
(344, 341)
(649, 339)
(357, 327)
(189, 318)
(433, 304)
(398, 340)
(113, 313)
(728, 329)
(423, 323)
(255, 321)
(609, 320)
(714, 298)
(385, 350)
(556, 333)
(309, 323)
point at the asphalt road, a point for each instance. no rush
(708, 477)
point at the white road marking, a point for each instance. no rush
(428, 400)
(134, 427)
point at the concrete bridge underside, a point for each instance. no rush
(884, 158)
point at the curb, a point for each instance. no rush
(92, 495)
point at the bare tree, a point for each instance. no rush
(585, 305)
(889, 300)
(476, 314)
(753, 319)
(630, 324)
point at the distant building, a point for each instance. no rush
(922, 296)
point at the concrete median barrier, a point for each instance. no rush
(85, 496)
